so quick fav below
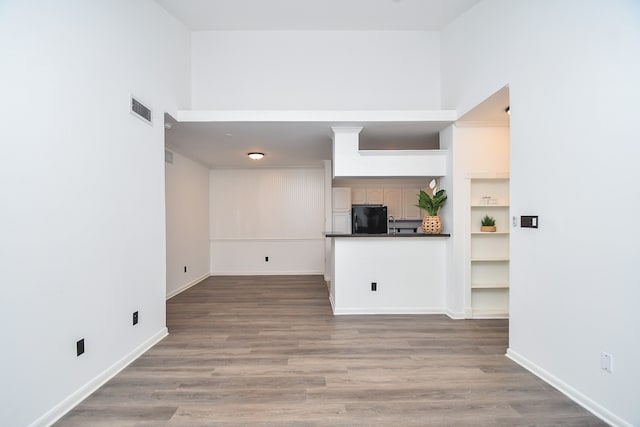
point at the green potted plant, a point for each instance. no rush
(431, 223)
(488, 224)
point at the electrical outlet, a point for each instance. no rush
(135, 317)
(79, 347)
(266, 259)
(374, 286)
(606, 362)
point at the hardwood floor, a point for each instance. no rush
(268, 351)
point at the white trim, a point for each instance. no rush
(481, 124)
(455, 315)
(412, 153)
(333, 304)
(332, 116)
(262, 239)
(388, 310)
(187, 286)
(58, 411)
(573, 394)
(488, 175)
(490, 315)
(268, 273)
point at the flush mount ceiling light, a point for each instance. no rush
(255, 156)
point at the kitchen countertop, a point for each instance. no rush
(386, 235)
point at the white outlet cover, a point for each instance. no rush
(606, 362)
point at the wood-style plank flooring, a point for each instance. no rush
(268, 351)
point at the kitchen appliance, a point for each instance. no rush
(369, 219)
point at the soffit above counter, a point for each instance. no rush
(301, 138)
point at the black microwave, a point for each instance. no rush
(369, 219)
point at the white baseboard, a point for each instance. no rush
(485, 314)
(333, 305)
(387, 310)
(267, 273)
(468, 313)
(187, 286)
(573, 394)
(58, 411)
(455, 315)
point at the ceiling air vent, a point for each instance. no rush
(140, 110)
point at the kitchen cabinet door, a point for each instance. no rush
(359, 196)
(375, 196)
(393, 202)
(341, 199)
(342, 222)
(409, 201)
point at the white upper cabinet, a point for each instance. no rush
(375, 196)
(367, 196)
(400, 201)
(393, 201)
(341, 199)
(409, 201)
(358, 196)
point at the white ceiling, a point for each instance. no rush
(490, 112)
(291, 144)
(354, 15)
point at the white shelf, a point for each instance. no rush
(488, 276)
(489, 314)
(489, 233)
(490, 286)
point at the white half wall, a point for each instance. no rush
(572, 68)
(410, 273)
(83, 200)
(350, 161)
(187, 210)
(316, 70)
(275, 213)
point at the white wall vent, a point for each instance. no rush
(140, 110)
(168, 156)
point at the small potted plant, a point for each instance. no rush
(431, 223)
(488, 224)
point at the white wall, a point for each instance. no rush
(349, 161)
(453, 294)
(82, 184)
(275, 213)
(572, 69)
(187, 201)
(397, 265)
(316, 70)
(477, 151)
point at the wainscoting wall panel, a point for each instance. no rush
(267, 256)
(274, 213)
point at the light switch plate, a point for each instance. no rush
(529, 221)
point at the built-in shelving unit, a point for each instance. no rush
(488, 268)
